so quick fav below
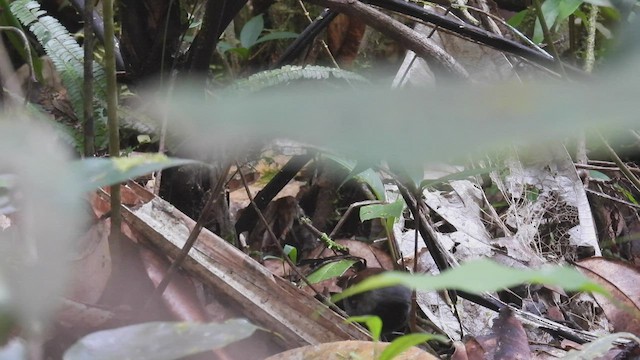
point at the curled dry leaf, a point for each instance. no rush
(621, 281)
(507, 340)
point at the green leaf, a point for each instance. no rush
(476, 277)
(598, 175)
(532, 194)
(405, 342)
(158, 340)
(372, 322)
(517, 19)
(251, 31)
(8, 19)
(609, 13)
(224, 46)
(627, 194)
(292, 253)
(99, 172)
(143, 139)
(554, 12)
(537, 33)
(276, 36)
(384, 211)
(566, 8)
(601, 3)
(289, 74)
(414, 171)
(63, 50)
(372, 178)
(330, 270)
(457, 176)
(362, 171)
(242, 52)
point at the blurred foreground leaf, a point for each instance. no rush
(476, 277)
(35, 248)
(409, 127)
(99, 172)
(158, 340)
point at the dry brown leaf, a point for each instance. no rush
(476, 348)
(460, 352)
(620, 280)
(507, 340)
(344, 36)
(348, 350)
(92, 265)
(376, 258)
(512, 339)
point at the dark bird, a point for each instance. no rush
(392, 304)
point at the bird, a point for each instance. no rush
(392, 304)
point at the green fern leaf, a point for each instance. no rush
(288, 73)
(65, 53)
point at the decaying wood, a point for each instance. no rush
(265, 299)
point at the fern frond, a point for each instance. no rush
(65, 53)
(288, 73)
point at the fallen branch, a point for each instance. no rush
(265, 299)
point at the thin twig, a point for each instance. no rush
(547, 37)
(272, 235)
(324, 43)
(113, 126)
(164, 41)
(623, 167)
(87, 84)
(604, 168)
(427, 49)
(414, 297)
(609, 197)
(344, 217)
(413, 59)
(513, 29)
(326, 240)
(27, 50)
